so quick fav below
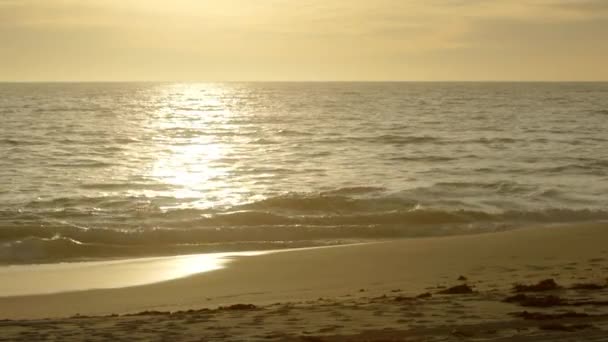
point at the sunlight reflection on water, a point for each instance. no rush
(190, 162)
(21, 280)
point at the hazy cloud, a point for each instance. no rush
(306, 39)
(584, 6)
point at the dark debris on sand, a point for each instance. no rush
(535, 301)
(237, 307)
(149, 313)
(550, 301)
(461, 333)
(587, 286)
(404, 299)
(565, 327)
(589, 302)
(541, 316)
(234, 307)
(458, 289)
(543, 285)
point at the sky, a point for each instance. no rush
(303, 40)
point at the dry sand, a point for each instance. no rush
(352, 293)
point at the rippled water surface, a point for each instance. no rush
(105, 170)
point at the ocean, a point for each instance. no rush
(93, 171)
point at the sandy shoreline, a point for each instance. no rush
(330, 293)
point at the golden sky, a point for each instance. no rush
(242, 40)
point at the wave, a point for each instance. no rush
(289, 132)
(354, 190)
(75, 228)
(262, 141)
(398, 140)
(55, 249)
(23, 225)
(331, 202)
(424, 159)
(401, 139)
(21, 142)
(598, 168)
(36, 239)
(495, 140)
(504, 187)
(127, 186)
(354, 199)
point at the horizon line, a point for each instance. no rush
(309, 81)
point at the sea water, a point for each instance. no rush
(107, 170)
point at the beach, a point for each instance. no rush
(303, 171)
(378, 291)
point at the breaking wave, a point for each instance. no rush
(69, 229)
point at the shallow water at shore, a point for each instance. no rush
(23, 280)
